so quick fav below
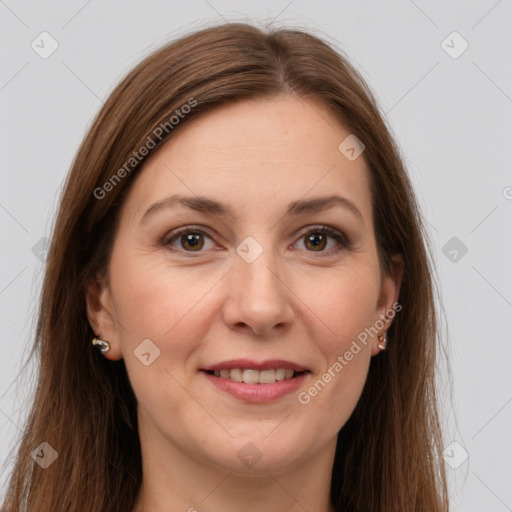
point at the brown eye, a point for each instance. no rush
(187, 240)
(190, 240)
(193, 241)
(317, 239)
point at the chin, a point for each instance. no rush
(259, 453)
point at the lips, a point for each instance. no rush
(256, 372)
(256, 381)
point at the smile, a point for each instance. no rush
(253, 381)
(251, 376)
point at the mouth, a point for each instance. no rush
(256, 382)
(253, 376)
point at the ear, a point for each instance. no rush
(100, 314)
(388, 297)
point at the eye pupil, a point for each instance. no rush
(192, 240)
(317, 240)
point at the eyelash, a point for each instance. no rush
(340, 237)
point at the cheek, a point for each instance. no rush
(156, 303)
(152, 299)
(343, 303)
(173, 308)
(344, 310)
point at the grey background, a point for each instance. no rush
(452, 117)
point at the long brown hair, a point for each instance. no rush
(388, 456)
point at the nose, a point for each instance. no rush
(258, 298)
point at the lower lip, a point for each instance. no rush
(257, 393)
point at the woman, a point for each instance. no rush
(239, 238)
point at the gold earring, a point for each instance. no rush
(105, 346)
(383, 341)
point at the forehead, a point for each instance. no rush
(275, 150)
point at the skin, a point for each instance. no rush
(294, 302)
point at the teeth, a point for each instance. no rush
(280, 373)
(235, 374)
(250, 376)
(254, 376)
(267, 376)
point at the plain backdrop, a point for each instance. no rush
(442, 74)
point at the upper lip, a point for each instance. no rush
(256, 365)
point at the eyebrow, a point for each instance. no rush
(210, 206)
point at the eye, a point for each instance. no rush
(317, 239)
(190, 239)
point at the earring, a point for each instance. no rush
(105, 346)
(383, 341)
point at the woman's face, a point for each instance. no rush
(253, 285)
